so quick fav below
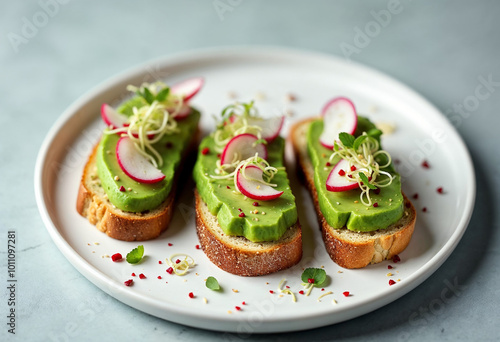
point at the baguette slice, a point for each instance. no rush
(93, 204)
(347, 248)
(237, 255)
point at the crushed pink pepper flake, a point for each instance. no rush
(218, 155)
(389, 267)
(341, 172)
(328, 164)
(425, 164)
(301, 292)
(391, 282)
(228, 187)
(133, 274)
(346, 293)
(310, 280)
(322, 289)
(242, 215)
(122, 188)
(353, 168)
(375, 204)
(424, 209)
(255, 204)
(271, 291)
(170, 244)
(415, 196)
(159, 277)
(243, 303)
(440, 190)
(396, 259)
(191, 295)
(240, 210)
(198, 247)
(142, 276)
(287, 287)
(159, 261)
(169, 270)
(377, 191)
(237, 308)
(116, 257)
(128, 282)
(205, 151)
(177, 261)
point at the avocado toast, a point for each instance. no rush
(246, 216)
(128, 184)
(363, 215)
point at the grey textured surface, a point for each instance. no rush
(440, 49)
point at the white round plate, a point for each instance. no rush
(267, 75)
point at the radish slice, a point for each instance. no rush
(188, 88)
(241, 148)
(134, 164)
(270, 127)
(254, 189)
(336, 182)
(183, 112)
(111, 117)
(339, 115)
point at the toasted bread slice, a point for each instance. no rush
(237, 255)
(92, 203)
(347, 248)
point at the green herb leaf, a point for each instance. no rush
(162, 95)
(346, 139)
(212, 284)
(317, 274)
(148, 96)
(135, 255)
(365, 181)
(374, 132)
(359, 140)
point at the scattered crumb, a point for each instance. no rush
(322, 266)
(96, 243)
(389, 274)
(129, 189)
(280, 295)
(288, 112)
(185, 280)
(235, 291)
(356, 201)
(399, 279)
(231, 95)
(290, 97)
(334, 301)
(229, 312)
(117, 178)
(93, 251)
(267, 283)
(387, 128)
(205, 300)
(340, 272)
(260, 96)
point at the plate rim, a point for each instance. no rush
(135, 299)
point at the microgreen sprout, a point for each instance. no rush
(364, 155)
(149, 123)
(228, 171)
(235, 122)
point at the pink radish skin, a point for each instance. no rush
(254, 189)
(111, 117)
(134, 164)
(339, 115)
(242, 146)
(188, 88)
(338, 183)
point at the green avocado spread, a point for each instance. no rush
(266, 221)
(344, 209)
(135, 196)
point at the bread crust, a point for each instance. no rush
(93, 204)
(240, 256)
(351, 249)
